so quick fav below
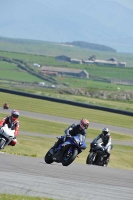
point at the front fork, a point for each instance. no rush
(69, 150)
(2, 143)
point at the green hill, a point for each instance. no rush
(91, 46)
(38, 47)
(17, 72)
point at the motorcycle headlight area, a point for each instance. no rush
(76, 141)
(66, 143)
(1, 131)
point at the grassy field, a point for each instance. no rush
(91, 85)
(19, 197)
(15, 78)
(119, 73)
(64, 110)
(10, 71)
(119, 104)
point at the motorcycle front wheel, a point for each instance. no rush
(69, 157)
(48, 158)
(90, 158)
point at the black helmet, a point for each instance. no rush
(105, 131)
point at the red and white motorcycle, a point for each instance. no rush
(6, 136)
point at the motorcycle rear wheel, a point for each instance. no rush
(67, 159)
(48, 158)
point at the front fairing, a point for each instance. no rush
(6, 132)
(76, 141)
(97, 148)
(68, 145)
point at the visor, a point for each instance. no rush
(14, 116)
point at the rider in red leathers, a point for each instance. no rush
(5, 106)
(13, 123)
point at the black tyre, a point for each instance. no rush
(89, 159)
(105, 164)
(68, 158)
(48, 158)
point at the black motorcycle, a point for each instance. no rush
(97, 155)
(66, 152)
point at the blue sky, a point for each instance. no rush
(127, 3)
(107, 22)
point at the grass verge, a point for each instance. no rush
(64, 110)
(19, 197)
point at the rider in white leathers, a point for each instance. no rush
(106, 141)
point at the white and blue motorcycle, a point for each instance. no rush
(67, 151)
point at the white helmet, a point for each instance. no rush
(105, 131)
(14, 114)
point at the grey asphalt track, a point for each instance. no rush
(33, 177)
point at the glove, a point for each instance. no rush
(62, 138)
(104, 148)
(68, 135)
(92, 144)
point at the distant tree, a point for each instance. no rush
(91, 46)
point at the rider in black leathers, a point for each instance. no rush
(73, 130)
(106, 142)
